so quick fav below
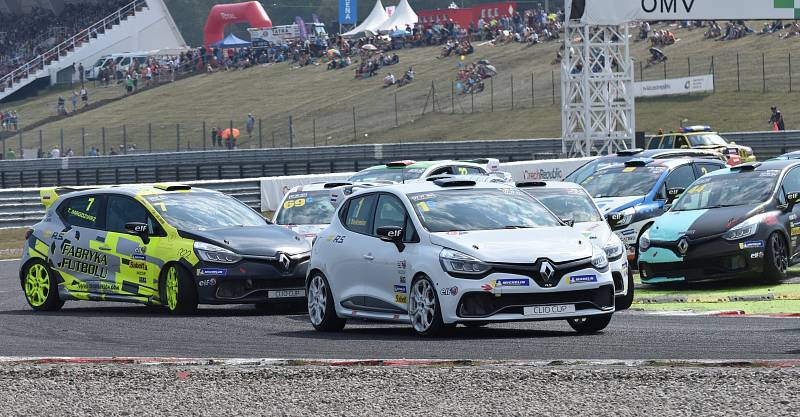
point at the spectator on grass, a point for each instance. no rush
(74, 100)
(55, 152)
(129, 85)
(11, 154)
(84, 96)
(93, 151)
(776, 120)
(214, 135)
(388, 80)
(60, 106)
(250, 124)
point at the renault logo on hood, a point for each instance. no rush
(683, 245)
(546, 270)
(284, 261)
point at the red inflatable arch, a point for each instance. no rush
(222, 15)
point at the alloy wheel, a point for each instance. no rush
(317, 299)
(172, 288)
(37, 285)
(422, 305)
(779, 254)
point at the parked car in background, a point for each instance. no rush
(621, 157)
(702, 137)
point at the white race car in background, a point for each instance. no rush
(572, 203)
(451, 251)
(408, 170)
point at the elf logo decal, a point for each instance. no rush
(667, 6)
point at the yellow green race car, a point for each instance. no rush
(703, 138)
(164, 245)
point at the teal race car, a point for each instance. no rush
(741, 222)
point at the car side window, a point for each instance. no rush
(392, 212)
(359, 212)
(468, 170)
(703, 168)
(681, 177)
(682, 143)
(122, 209)
(667, 143)
(654, 141)
(791, 183)
(83, 211)
(448, 170)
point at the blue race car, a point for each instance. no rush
(621, 157)
(632, 195)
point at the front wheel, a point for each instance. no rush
(321, 310)
(623, 302)
(590, 324)
(41, 288)
(776, 261)
(178, 293)
(424, 309)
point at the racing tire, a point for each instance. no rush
(590, 324)
(424, 309)
(776, 259)
(177, 290)
(321, 310)
(40, 287)
(623, 302)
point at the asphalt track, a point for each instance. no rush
(110, 329)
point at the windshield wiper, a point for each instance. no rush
(517, 227)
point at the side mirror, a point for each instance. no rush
(138, 229)
(615, 219)
(674, 193)
(568, 222)
(793, 199)
(393, 234)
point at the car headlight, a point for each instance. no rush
(599, 260)
(627, 217)
(744, 229)
(460, 263)
(614, 247)
(644, 241)
(214, 253)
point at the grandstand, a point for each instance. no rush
(43, 42)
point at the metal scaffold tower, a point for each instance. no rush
(597, 98)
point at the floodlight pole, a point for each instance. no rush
(597, 97)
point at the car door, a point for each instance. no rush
(354, 257)
(389, 262)
(139, 269)
(76, 251)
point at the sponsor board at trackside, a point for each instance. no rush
(674, 86)
(598, 12)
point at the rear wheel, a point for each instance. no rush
(623, 302)
(178, 293)
(41, 288)
(321, 310)
(590, 324)
(776, 261)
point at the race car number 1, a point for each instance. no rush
(300, 202)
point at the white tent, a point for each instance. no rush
(403, 15)
(372, 22)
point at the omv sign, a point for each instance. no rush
(597, 12)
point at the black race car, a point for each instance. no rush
(732, 223)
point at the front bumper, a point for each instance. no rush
(504, 297)
(713, 259)
(250, 282)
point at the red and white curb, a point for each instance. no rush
(262, 362)
(720, 313)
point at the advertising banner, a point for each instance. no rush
(348, 15)
(686, 85)
(599, 12)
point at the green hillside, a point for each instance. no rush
(321, 102)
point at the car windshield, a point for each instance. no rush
(480, 209)
(709, 139)
(622, 181)
(568, 203)
(728, 190)
(590, 168)
(306, 207)
(198, 211)
(387, 174)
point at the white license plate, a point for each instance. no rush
(286, 294)
(543, 311)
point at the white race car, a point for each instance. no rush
(572, 203)
(451, 251)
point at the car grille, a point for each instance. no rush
(706, 267)
(484, 304)
(532, 270)
(619, 285)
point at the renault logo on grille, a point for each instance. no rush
(284, 261)
(547, 270)
(683, 246)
